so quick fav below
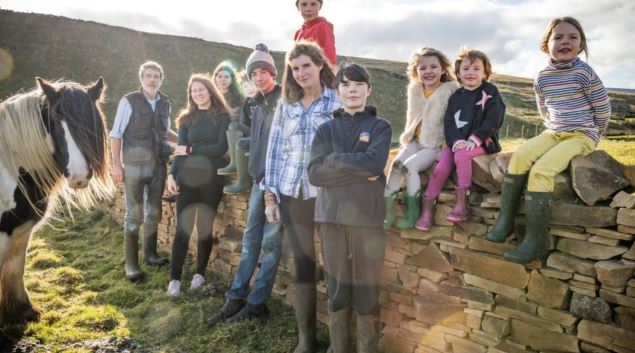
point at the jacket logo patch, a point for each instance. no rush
(364, 136)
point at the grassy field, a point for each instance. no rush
(75, 275)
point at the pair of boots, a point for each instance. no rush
(238, 163)
(131, 254)
(366, 332)
(460, 213)
(537, 209)
(410, 217)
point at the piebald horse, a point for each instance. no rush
(53, 146)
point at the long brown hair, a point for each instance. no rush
(415, 58)
(291, 90)
(217, 106)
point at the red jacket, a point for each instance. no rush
(321, 31)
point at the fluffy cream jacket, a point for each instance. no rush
(429, 111)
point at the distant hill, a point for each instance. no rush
(56, 47)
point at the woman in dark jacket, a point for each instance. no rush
(200, 151)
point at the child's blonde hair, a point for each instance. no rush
(544, 40)
(472, 55)
(415, 58)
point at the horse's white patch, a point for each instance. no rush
(7, 188)
(77, 167)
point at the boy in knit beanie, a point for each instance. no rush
(260, 235)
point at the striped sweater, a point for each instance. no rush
(571, 96)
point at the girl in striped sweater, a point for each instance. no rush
(575, 107)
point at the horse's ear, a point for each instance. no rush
(51, 93)
(96, 89)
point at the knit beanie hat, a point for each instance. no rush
(261, 59)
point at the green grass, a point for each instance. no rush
(75, 275)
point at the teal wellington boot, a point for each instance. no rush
(534, 245)
(389, 219)
(244, 180)
(513, 186)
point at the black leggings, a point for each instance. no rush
(196, 205)
(299, 225)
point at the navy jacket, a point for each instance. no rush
(261, 120)
(346, 151)
(479, 112)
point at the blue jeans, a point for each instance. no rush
(143, 180)
(260, 236)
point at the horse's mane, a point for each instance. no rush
(25, 143)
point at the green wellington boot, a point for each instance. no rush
(339, 323)
(513, 186)
(304, 306)
(534, 245)
(131, 255)
(366, 334)
(244, 180)
(390, 217)
(150, 254)
(413, 209)
(232, 138)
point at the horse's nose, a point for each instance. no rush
(76, 180)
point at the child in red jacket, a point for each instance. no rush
(316, 28)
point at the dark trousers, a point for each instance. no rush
(297, 218)
(353, 261)
(200, 192)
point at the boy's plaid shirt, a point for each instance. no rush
(289, 150)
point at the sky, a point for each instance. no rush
(508, 31)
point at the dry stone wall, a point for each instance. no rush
(450, 290)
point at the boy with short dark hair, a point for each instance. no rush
(348, 157)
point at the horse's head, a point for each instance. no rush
(76, 126)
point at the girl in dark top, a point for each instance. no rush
(473, 117)
(226, 83)
(200, 151)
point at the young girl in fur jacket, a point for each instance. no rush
(431, 84)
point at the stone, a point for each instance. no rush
(629, 173)
(564, 318)
(524, 306)
(630, 254)
(433, 276)
(454, 329)
(589, 293)
(491, 286)
(567, 233)
(588, 250)
(590, 348)
(570, 263)
(541, 339)
(492, 200)
(529, 319)
(626, 217)
(483, 213)
(604, 335)
(436, 231)
(597, 176)
(506, 348)
(604, 241)
(462, 345)
(626, 229)
(481, 244)
(473, 228)
(434, 310)
(495, 325)
(616, 298)
(623, 200)
(548, 292)
(611, 234)
(483, 338)
(441, 211)
(562, 275)
(625, 317)
(614, 273)
(431, 258)
(481, 174)
(483, 265)
(466, 293)
(585, 307)
(583, 278)
(579, 215)
(408, 279)
(618, 290)
(585, 285)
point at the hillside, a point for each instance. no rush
(56, 47)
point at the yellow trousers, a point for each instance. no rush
(547, 155)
